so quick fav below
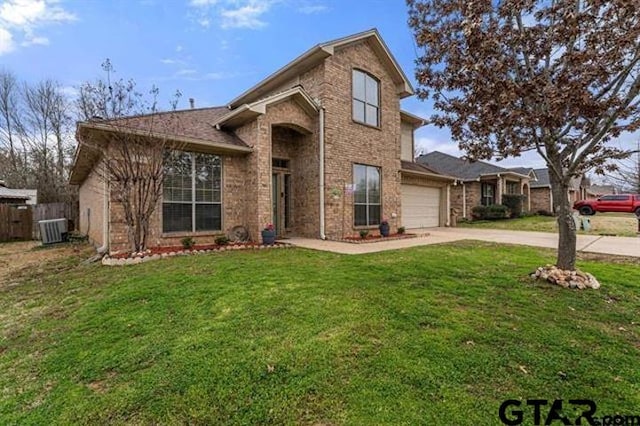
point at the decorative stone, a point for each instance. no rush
(567, 279)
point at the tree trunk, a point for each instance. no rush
(566, 225)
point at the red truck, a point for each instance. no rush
(625, 203)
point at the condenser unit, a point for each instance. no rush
(53, 230)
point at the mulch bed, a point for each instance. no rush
(376, 238)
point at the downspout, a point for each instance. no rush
(464, 200)
(104, 248)
(551, 200)
(321, 173)
(448, 213)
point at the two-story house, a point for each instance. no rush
(320, 148)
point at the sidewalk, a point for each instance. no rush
(622, 246)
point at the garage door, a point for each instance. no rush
(420, 206)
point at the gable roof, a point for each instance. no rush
(317, 54)
(194, 129)
(542, 176)
(420, 169)
(247, 112)
(460, 168)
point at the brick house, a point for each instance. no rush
(542, 197)
(320, 148)
(479, 183)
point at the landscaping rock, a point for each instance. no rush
(567, 279)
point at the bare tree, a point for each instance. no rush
(626, 175)
(133, 138)
(559, 77)
(10, 143)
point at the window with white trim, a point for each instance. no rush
(192, 192)
(366, 98)
(366, 195)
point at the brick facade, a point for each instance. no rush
(541, 199)
(288, 130)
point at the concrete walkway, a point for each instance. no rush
(623, 246)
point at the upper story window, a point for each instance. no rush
(366, 99)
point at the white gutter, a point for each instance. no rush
(464, 200)
(104, 248)
(448, 213)
(321, 143)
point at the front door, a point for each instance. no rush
(281, 199)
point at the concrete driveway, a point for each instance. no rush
(622, 246)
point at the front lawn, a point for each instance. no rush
(431, 335)
(619, 224)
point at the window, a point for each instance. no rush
(192, 192)
(513, 188)
(366, 195)
(614, 198)
(366, 102)
(488, 194)
(279, 163)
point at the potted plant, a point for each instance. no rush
(269, 235)
(384, 228)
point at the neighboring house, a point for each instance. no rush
(477, 182)
(542, 197)
(595, 191)
(320, 148)
(17, 196)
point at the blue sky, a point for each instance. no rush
(211, 50)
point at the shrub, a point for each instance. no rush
(497, 211)
(543, 212)
(401, 230)
(222, 240)
(187, 243)
(479, 212)
(514, 202)
(492, 212)
(364, 233)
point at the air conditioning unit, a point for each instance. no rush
(53, 230)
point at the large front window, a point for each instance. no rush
(488, 194)
(366, 197)
(192, 194)
(366, 102)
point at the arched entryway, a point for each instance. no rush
(294, 180)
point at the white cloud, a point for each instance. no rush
(227, 14)
(424, 145)
(186, 71)
(20, 19)
(313, 8)
(247, 16)
(41, 41)
(6, 41)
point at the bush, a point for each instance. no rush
(187, 243)
(492, 212)
(401, 230)
(222, 240)
(364, 233)
(479, 212)
(497, 211)
(514, 202)
(543, 212)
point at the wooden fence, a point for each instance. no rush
(54, 211)
(20, 222)
(16, 222)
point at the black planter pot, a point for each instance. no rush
(268, 237)
(384, 229)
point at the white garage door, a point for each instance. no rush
(420, 206)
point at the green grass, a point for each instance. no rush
(618, 224)
(430, 335)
